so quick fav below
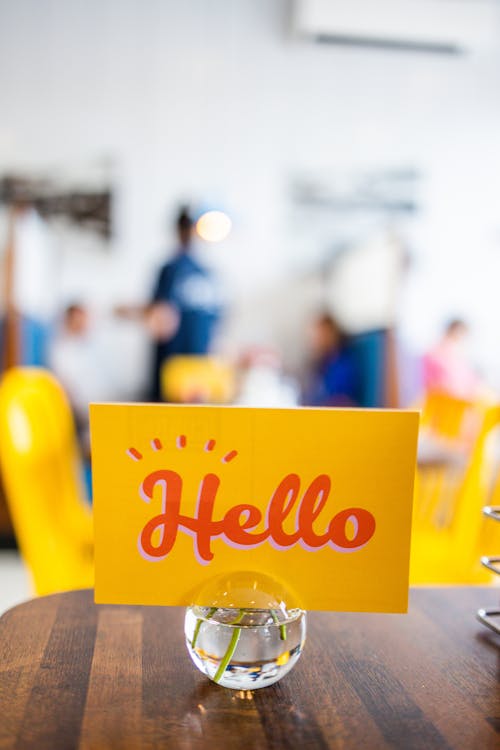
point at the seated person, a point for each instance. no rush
(79, 358)
(333, 377)
(446, 367)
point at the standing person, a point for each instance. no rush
(190, 290)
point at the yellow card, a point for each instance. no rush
(318, 499)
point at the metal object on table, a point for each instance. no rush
(491, 616)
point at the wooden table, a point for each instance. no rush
(76, 675)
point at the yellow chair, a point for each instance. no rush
(449, 428)
(40, 467)
(197, 379)
(449, 531)
(446, 416)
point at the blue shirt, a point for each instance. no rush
(192, 290)
(335, 381)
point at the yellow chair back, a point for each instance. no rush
(448, 417)
(40, 466)
(449, 428)
(197, 379)
(449, 531)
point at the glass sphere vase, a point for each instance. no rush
(245, 635)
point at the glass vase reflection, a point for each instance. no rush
(244, 649)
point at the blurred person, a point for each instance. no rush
(79, 359)
(190, 288)
(333, 376)
(185, 306)
(447, 367)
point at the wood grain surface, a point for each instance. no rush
(77, 675)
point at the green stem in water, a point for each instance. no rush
(282, 626)
(231, 647)
(239, 616)
(211, 612)
(228, 655)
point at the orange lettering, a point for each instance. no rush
(239, 520)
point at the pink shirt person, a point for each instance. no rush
(446, 367)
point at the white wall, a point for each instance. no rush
(216, 98)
